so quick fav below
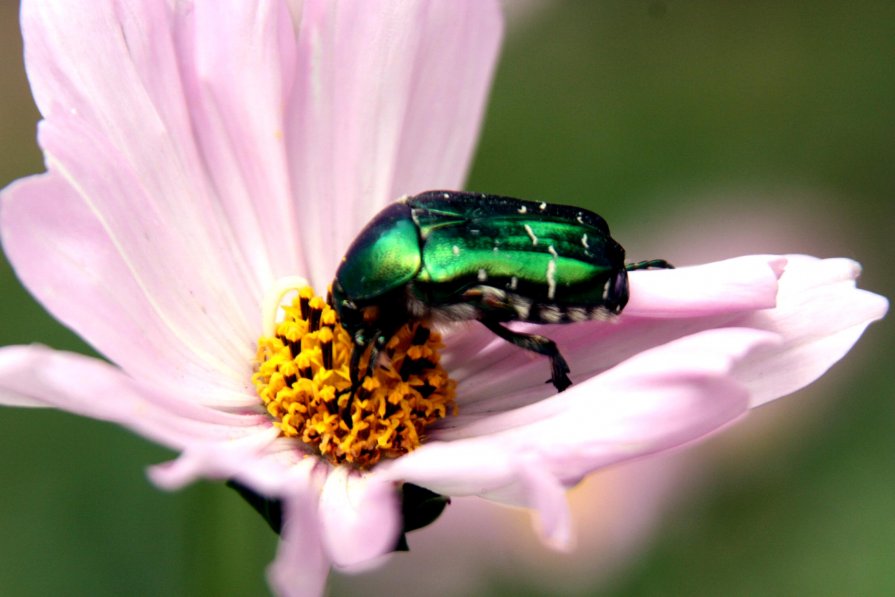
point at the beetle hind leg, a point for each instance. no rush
(650, 264)
(539, 344)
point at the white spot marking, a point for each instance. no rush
(577, 314)
(551, 279)
(552, 251)
(456, 250)
(579, 218)
(514, 281)
(522, 307)
(542, 206)
(523, 210)
(601, 314)
(531, 234)
(584, 242)
(606, 290)
(483, 275)
(550, 314)
(446, 195)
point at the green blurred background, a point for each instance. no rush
(699, 130)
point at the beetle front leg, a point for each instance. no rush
(539, 344)
(360, 347)
(356, 354)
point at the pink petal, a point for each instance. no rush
(547, 498)
(213, 443)
(301, 565)
(110, 69)
(360, 517)
(820, 315)
(239, 67)
(105, 74)
(241, 458)
(387, 102)
(660, 399)
(732, 285)
(65, 258)
(90, 387)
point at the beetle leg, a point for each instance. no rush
(539, 344)
(360, 347)
(651, 264)
(357, 353)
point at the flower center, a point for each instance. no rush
(302, 375)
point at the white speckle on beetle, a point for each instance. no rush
(600, 314)
(606, 290)
(577, 314)
(531, 234)
(551, 279)
(456, 250)
(522, 307)
(552, 251)
(550, 314)
(496, 248)
(584, 242)
(523, 210)
(446, 195)
(483, 275)
(514, 281)
(580, 218)
(542, 206)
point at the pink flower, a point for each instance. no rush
(200, 152)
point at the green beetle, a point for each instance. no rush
(454, 256)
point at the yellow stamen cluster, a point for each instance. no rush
(302, 375)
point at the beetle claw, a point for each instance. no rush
(560, 378)
(345, 413)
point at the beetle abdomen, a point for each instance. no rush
(488, 302)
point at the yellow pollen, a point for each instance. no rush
(302, 375)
